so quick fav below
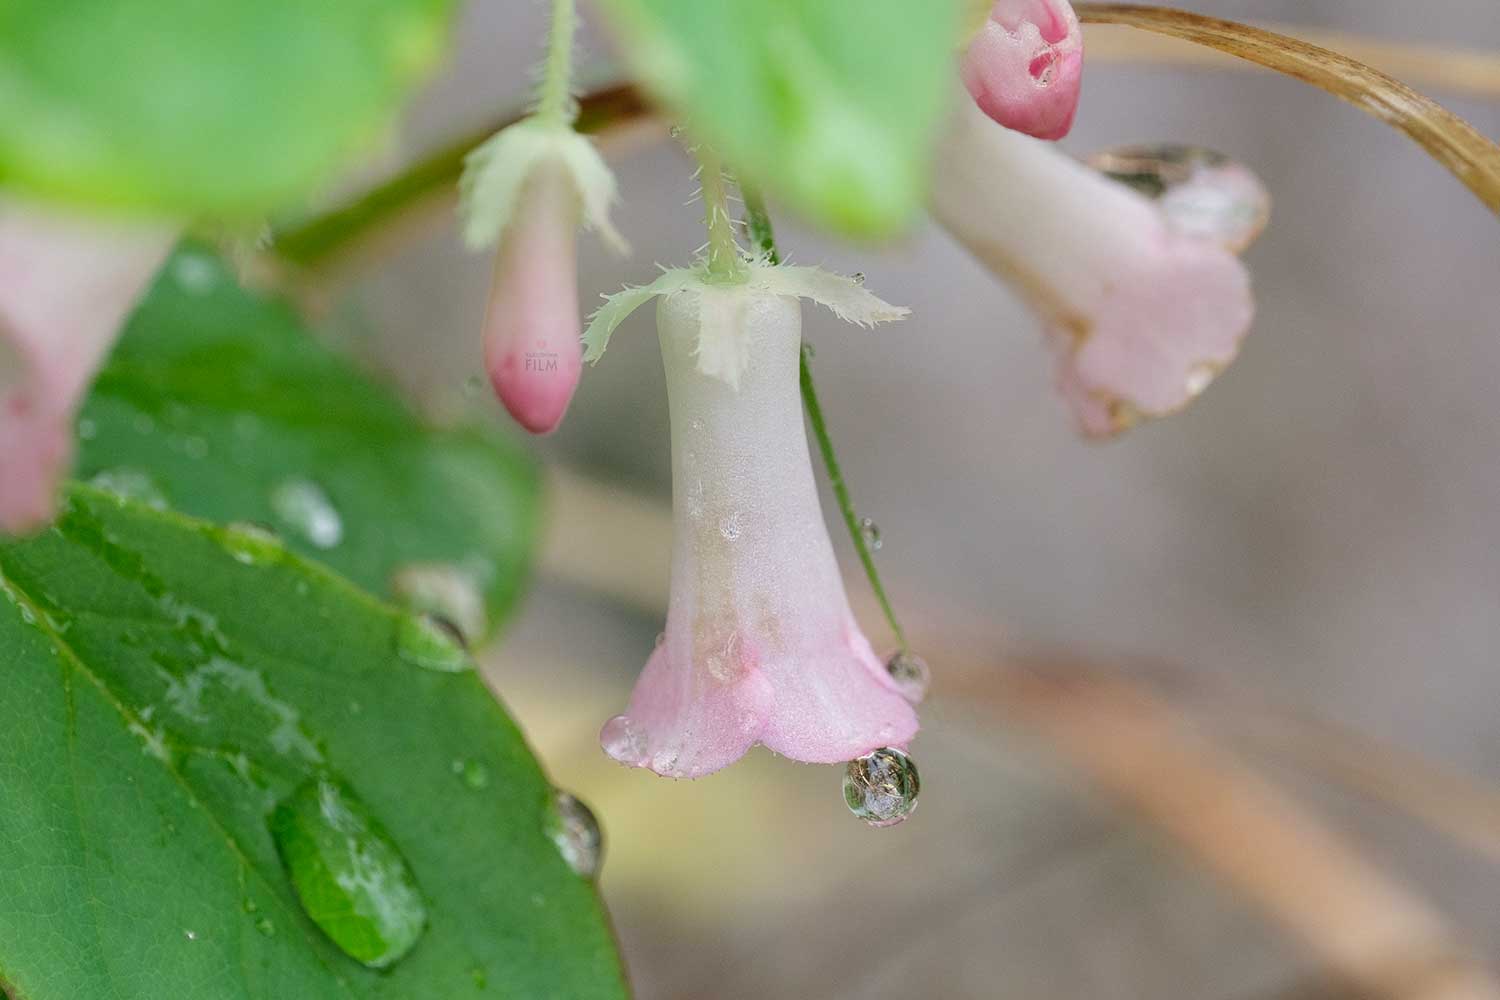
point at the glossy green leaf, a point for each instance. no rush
(219, 404)
(228, 107)
(831, 105)
(167, 687)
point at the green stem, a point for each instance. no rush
(763, 239)
(555, 103)
(723, 250)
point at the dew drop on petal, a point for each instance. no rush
(349, 876)
(432, 643)
(858, 277)
(623, 740)
(881, 787)
(1200, 192)
(911, 674)
(869, 531)
(1200, 377)
(131, 484)
(306, 509)
(575, 831)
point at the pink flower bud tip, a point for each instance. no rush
(1025, 67)
(532, 346)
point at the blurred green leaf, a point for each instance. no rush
(218, 403)
(169, 684)
(228, 107)
(831, 105)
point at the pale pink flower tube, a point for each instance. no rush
(66, 287)
(760, 644)
(1025, 66)
(1142, 317)
(532, 349)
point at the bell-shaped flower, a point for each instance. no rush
(1142, 316)
(530, 187)
(1025, 66)
(760, 645)
(66, 286)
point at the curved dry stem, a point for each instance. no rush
(1450, 140)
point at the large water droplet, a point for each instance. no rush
(911, 674)
(251, 542)
(444, 590)
(869, 531)
(431, 643)
(1199, 192)
(881, 787)
(131, 484)
(576, 833)
(349, 876)
(623, 740)
(306, 509)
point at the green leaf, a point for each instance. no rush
(218, 403)
(229, 107)
(831, 105)
(167, 687)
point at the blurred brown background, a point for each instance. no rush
(1317, 534)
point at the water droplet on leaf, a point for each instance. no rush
(349, 876)
(305, 508)
(431, 643)
(576, 833)
(1200, 192)
(869, 531)
(266, 926)
(251, 542)
(881, 787)
(911, 674)
(446, 591)
(131, 484)
(87, 429)
(474, 774)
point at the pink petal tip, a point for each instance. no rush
(1025, 67)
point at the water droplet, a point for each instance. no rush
(474, 774)
(195, 272)
(858, 277)
(1200, 192)
(623, 740)
(808, 351)
(911, 674)
(447, 591)
(1201, 376)
(250, 906)
(675, 131)
(87, 429)
(304, 506)
(730, 527)
(431, 643)
(881, 787)
(251, 542)
(190, 935)
(350, 877)
(575, 831)
(869, 531)
(266, 926)
(131, 484)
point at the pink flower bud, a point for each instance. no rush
(66, 286)
(1025, 67)
(760, 644)
(532, 329)
(1142, 316)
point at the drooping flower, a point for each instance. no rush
(66, 286)
(1025, 66)
(760, 645)
(530, 186)
(1141, 315)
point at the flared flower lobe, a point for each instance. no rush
(1141, 316)
(1025, 66)
(532, 347)
(66, 286)
(760, 644)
